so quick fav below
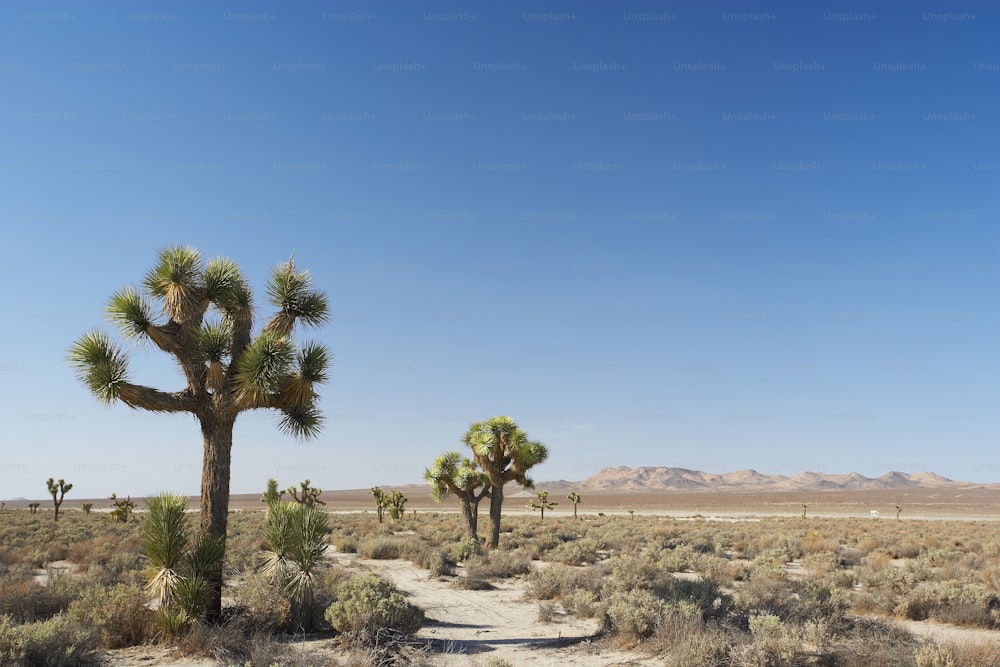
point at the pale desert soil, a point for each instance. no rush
(467, 628)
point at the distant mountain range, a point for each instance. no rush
(623, 478)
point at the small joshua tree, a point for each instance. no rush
(379, 495)
(899, 510)
(543, 503)
(395, 501)
(122, 508)
(574, 498)
(453, 475)
(308, 496)
(272, 495)
(33, 507)
(805, 506)
(86, 507)
(631, 515)
(58, 492)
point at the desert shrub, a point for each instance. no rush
(380, 548)
(117, 615)
(369, 607)
(462, 551)
(264, 604)
(26, 600)
(790, 601)
(865, 642)
(773, 645)
(581, 603)
(952, 602)
(634, 615)
(547, 612)
(578, 552)
(438, 562)
(684, 640)
(468, 583)
(56, 642)
(956, 655)
(497, 565)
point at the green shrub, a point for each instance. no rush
(56, 642)
(634, 614)
(463, 551)
(369, 607)
(118, 615)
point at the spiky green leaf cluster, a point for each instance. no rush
(289, 291)
(100, 364)
(164, 540)
(503, 451)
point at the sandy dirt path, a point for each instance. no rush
(465, 628)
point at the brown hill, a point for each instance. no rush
(647, 478)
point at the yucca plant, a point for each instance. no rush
(296, 541)
(505, 454)
(180, 569)
(202, 314)
(165, 536)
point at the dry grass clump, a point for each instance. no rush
(497, 565)
(24, 599)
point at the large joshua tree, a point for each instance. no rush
(202, 314)
(451, 474)
(505, 454)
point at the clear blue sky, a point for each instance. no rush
(705, 235)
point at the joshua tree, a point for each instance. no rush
(309, 495)
(296, 541)
(505, 454)
(631, 515)
(33, 507)
(58, 492)
(455, 475)
(805, 506)
(899, 510)
(379, 495)
(227, 368)
(272, 495)
(395, 502)
(574, 498)
(122, 508)
(543, 503)
(86, 507)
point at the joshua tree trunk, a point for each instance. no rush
(218, 436)
(496, 505)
